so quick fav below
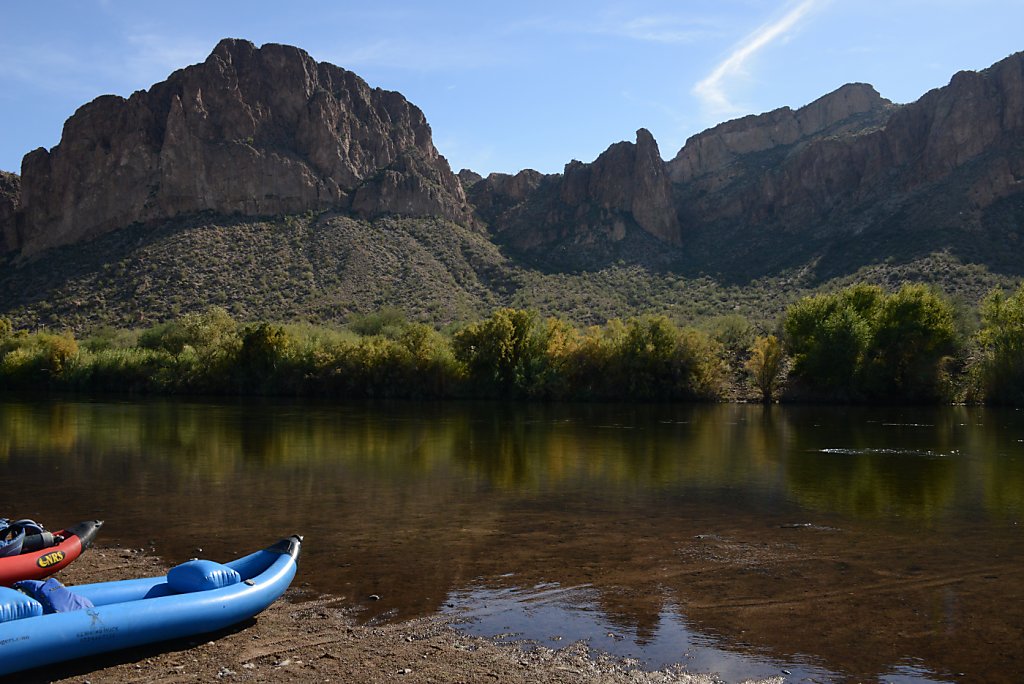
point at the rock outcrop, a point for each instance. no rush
(250, 131)
(852, 148)
(627, 186)
(848, 111)
(10, 191)
(849, 164)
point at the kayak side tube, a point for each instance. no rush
(132, 613)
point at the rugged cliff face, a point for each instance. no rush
(269, 131)
(852, 147)
(626, 187)
(250, 131)
(10, 190)
(715, 156)
(940, 173)
(758, 191)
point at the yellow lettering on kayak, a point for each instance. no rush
(49, 559)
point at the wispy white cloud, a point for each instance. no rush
(655, 29)
(712, 90)
(651, 28)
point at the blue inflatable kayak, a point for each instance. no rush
(194, 597)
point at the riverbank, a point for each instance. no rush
(304, 637)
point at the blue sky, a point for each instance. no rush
(507, 86)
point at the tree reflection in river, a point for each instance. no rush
(857, 537)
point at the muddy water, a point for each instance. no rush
(820, 544)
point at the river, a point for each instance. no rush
(824, 544)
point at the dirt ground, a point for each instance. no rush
(309, 638)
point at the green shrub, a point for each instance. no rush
(262, 352)
(999, 357)
(111, 338)
(503, 354)
(913, 332)
(127, 371)
(39, 361)
(860, 343)
(212, 333)
(649, 358)
(390, 321)
(827, 335)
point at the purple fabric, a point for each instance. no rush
(54, 596)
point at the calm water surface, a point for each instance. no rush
(820, 544)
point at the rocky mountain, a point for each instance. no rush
(10, 190)
(630, 186)
(772, 191)
(942, 173)
(250, 131)
(262, 136)
(627, 187)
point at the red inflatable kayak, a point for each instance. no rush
(46, 561)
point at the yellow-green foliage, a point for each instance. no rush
(212, 334)
(913, 333)
(38, 361)
(765, 365)
(656, 360)
(389, 321)
(999, 367)
(854, 344)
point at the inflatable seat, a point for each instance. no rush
(201, 575)
(15, 605)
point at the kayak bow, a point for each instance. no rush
(46, 561)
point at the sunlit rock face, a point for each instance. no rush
(251, 131)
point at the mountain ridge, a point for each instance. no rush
(269, 135)
(249, 131)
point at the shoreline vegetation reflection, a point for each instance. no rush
(858, 465)
(848, 540)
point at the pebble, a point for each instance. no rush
(405, 671)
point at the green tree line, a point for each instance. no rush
(858, 344)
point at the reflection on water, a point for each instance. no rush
(554, 616)
(837, 544)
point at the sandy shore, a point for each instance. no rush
(310, 638)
